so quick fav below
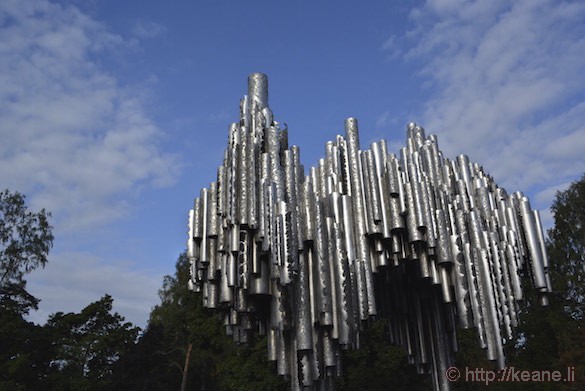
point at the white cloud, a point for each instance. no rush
(147, 29)
(392, 47)
(383, 120)
(72, 280)
(73, 138)
(507, 86)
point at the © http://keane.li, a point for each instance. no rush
(308, 257)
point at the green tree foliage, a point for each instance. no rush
(74, 351)
(146, 365)
(87, 345)
(566, 248)
(24, 347)
(25, 238)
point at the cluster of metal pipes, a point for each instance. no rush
(422, 240)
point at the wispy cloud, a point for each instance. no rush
(147, 29)
(383, 120)
(507, 85)
(72, 280)
(74, 139)
(392, 47)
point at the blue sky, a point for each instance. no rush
(114, 114)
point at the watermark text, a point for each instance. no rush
(509, 374)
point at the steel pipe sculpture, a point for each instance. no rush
(425, 241)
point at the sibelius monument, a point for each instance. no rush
(308, 257)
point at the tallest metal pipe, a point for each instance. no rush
(258, 89)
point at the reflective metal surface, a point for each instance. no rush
(308, 260)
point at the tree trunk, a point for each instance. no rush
(186, 367)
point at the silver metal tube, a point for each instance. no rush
(351, 131)
(204, 197)
(532, 241)
(212, 215)
(303, 306)
(258, 90)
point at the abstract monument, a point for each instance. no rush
(308, 257)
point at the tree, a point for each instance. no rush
(25, 238)
(26, 351)
(193, 337)
(566, 248)
(25, 241)
(145, 366)
(87, 345)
